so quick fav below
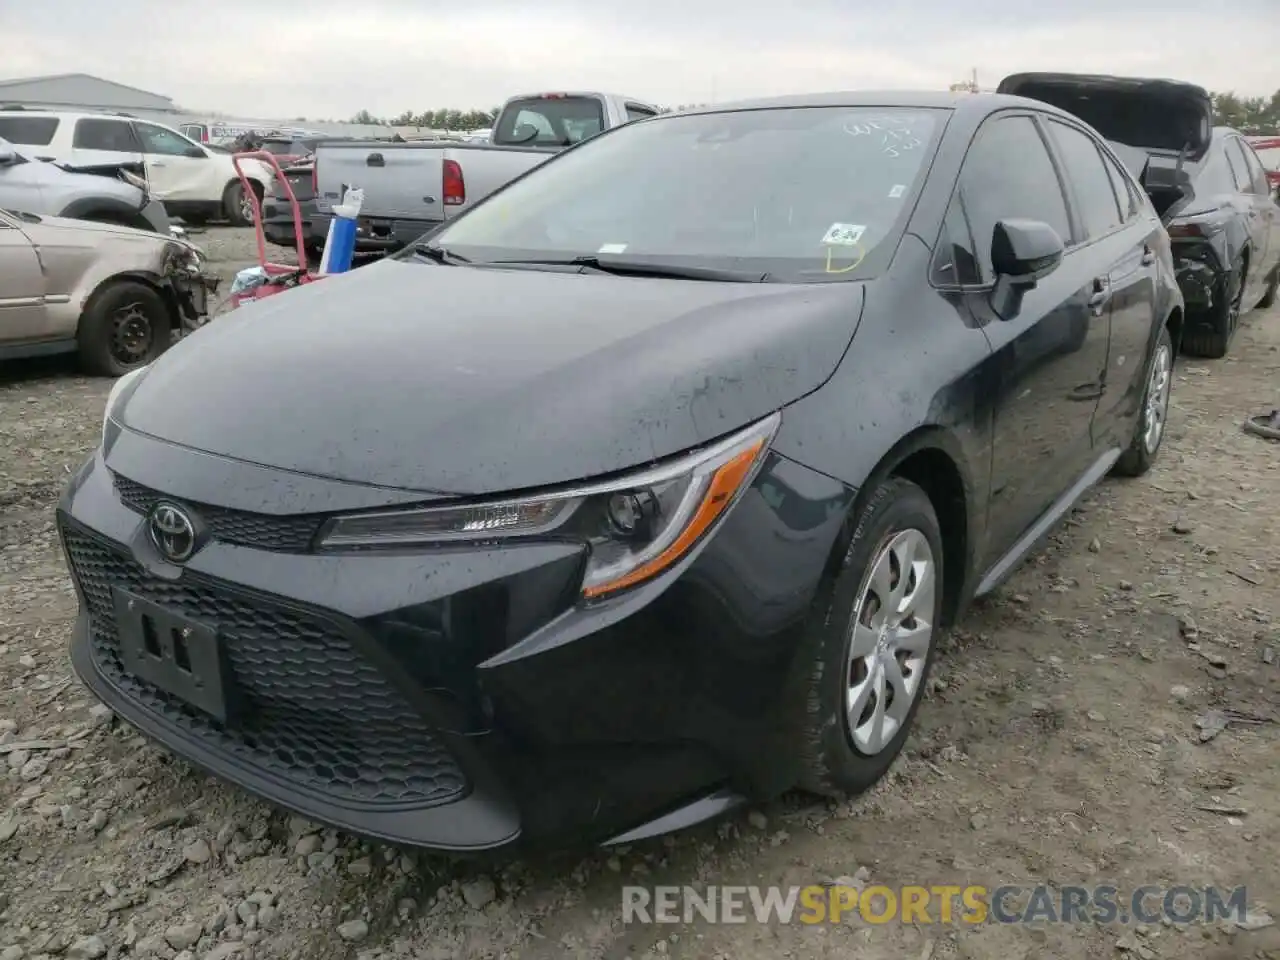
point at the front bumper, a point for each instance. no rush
(455, 700)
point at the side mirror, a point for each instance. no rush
(195, 153)
(1023, 252)
(7, 155)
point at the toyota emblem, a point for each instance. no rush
(172, 531)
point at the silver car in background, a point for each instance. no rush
(107, 194)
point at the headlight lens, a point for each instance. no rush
(117, 390)
(637, 526)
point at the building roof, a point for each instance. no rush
(11, 88)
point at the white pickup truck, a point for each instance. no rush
(411, 187)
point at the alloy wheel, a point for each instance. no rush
(892, 633)
(1157, 405)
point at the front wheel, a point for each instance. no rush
(125, 326)
(876, 633)
(237, 205)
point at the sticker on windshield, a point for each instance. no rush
(897, 190)
(613, 248)
(844, 234)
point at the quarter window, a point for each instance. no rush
(1094, 194)
(28, 131)
(1125, 192)
(954, 262)
(1008, 174)
(1254, 171)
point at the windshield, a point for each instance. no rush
(549, 121)
(797, 194)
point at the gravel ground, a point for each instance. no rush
(1072, 735)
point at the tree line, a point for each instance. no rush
(1249, 115)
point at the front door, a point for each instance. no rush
(22, 289)
(1051, 356)
(177, 169)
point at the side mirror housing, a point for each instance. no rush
(195, 153)
(1023, 252)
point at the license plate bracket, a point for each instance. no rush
(180, 656)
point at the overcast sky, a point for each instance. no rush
(325, 60)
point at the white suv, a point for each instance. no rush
(193, 182)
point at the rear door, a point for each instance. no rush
(1123, 244)
(1052, 355)
(1261, 214)
(22, 288)
(104, 140)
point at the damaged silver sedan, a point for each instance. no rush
(114, 295)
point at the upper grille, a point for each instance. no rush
(314, 712)
(266, 532)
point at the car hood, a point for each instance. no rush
(463, 380)
(1163, 115)
(52, 230)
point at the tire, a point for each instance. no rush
(236, 206)
(108, 351)
(897, 515)
(1269, 298)
(1221, 322)
(1149, 431)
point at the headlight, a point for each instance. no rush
(117, 391)
(637, 526)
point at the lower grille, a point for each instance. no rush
(314, 712)
(266, 532)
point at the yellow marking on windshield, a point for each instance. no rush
(831, 268)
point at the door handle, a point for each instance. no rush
(1148, 256)
(1101, 296)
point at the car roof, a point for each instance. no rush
(960, 101)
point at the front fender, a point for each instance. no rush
(103, 209)
(916, 375)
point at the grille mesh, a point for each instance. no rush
(314, 711)
(266, 532)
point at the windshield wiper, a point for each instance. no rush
(438, 254)
(641, 268)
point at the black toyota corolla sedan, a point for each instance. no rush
(642, 489)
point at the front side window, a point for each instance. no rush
(1008, 174)
(158, 140)
(798, 194)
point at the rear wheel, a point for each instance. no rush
(874, 643)
(1210, 336)
(125, 326)
(238, 205)
(1149, 431)
(1269, 297)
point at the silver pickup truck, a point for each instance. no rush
(411, 187)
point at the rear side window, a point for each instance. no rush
(29, 131)
(1125, 192)
(1215, 175)
(1255, 173)
(111, 135)
(546, 122)
(1008, 174)
(1095, 197)
(1235, 162)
